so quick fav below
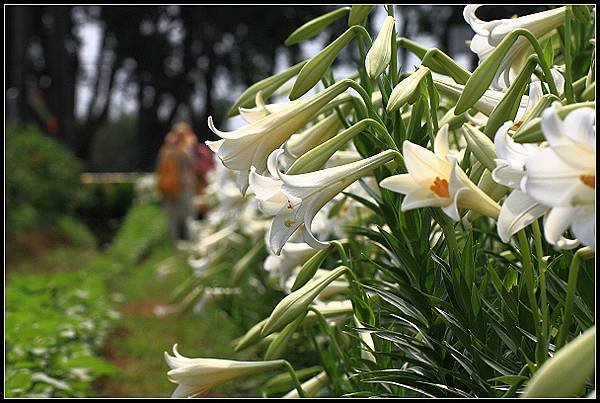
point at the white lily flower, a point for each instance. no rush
(307, 193)
(518, 210)
(435, 179)
(252, 144)
(197, 375)
(488, 34)
(563, 176)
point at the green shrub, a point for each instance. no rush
(42, 179)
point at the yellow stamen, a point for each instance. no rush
(440, 187)
(517, 125)
(589, 180)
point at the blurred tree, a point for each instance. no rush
(175, 61)
(170, 57)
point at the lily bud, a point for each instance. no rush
(251, 337)
(268, 86)
(491, 188)
(358, 13)
(484, 74)
(532, 132)
(380, 54)
(282, 382)
(565, 374)
(315, 26)
(309, 268)
(453, 121)
(296, 303)
(481, 146)
(509, 105)
(299, 144)
(310, 387)
(316, 67)
(318, 156)
(279, 343)
(406, 89)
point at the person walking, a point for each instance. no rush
(177, 179)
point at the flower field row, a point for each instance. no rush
(433, 231)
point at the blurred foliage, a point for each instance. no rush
(103, 206)
(115, 135)
(54, 324)
(42, 179)
(144, 227)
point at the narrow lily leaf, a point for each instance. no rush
(532, 132)
(315, 26)
(508, 107)
(358, 13)
(316, 67)
(267, 86)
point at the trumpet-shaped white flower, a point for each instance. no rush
(518, 210)
(197, 375)
(563, 176)
(488, 34)
(308, 193)
(251, 145)
(435, 179)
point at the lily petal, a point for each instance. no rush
(517, 212)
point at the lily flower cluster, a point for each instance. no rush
(307, 180)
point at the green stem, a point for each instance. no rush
(366, 99)
(432, 104)
(568, 56)
(542, 347)
(295, 379)
(323, 323)
(571, 288)
(540, 53)
(448, 230)
(343, 256)
(529, 278)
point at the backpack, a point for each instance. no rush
(169, 177)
